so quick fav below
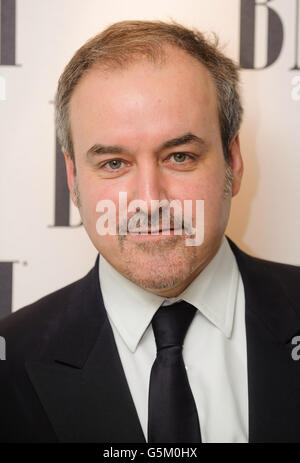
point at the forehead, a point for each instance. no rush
(144, 97)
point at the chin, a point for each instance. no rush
(159, 271)
(156, 280)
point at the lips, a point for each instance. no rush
(149, 232)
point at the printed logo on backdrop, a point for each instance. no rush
(7, 39)
(6, 283)
(8, 33)
(250, 9)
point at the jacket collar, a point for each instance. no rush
(80, 323)
(266, 295)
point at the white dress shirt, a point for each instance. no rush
(214, 349)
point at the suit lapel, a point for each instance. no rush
(272, 319)
(79, 377)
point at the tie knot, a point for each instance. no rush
(170, 324)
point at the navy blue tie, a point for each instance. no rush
(172, 412)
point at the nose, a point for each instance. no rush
(149, 184)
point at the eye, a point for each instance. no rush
(114, 164)
(181, 157)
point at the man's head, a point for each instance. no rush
(151, 109)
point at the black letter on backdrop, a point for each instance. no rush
(62, 197)
(8, 32)
(247, 34)
(6, 269)
(296, 66)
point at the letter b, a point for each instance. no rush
(247, 34)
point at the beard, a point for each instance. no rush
(159, 265)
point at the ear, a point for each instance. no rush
(236, 163)
(70, 170)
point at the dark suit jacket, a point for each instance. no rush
(63, 381)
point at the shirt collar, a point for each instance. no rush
(131, 308)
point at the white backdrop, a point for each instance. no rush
(37, 257)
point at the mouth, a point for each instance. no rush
(151, 232)
(154, 234)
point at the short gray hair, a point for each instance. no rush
(126, 41)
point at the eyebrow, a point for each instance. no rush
(183, 140)
(172, 143)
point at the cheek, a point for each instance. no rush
(92, 190)
(208, 186)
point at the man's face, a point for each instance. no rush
(140, 114)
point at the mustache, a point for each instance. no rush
(161, 219)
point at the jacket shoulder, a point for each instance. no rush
(280, 268)
(268, 271)
(27, 329)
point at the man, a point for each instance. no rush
(152, 110)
